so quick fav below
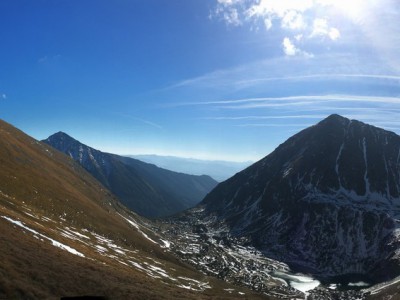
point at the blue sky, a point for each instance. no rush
(212, 79)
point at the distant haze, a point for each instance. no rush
(219, 170)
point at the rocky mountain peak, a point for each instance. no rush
(327, 199)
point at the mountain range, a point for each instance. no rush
(326, 201)
(64, 235)
(145, 188)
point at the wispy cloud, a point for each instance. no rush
(319, 77)
(329, 66)
(382, 111)
(147, 122)
(292, 100)
(47, 58)
(274, 125)
(285, 117)
(3, 96)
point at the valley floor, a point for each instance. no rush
(216, 253)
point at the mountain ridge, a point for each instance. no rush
(64, 235)
(145, 188)
(325, 201)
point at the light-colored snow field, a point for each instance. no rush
(53, 242)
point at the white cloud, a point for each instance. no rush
(293, 20)
(277, 8)
(322, 29)
(228, 2)
(228, 12)
(288, 47)
(3, 96)
(334, 34)
(232, 17)
(298, 37)
(299, 19)
(267, 23)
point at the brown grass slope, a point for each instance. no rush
(47, 200)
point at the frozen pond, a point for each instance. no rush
(300, 282)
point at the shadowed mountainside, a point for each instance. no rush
(145, 188)
(327, 201)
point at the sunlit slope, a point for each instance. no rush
(63, 234)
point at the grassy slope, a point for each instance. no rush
(48, 192)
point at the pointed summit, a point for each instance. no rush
(337, 118)
(59, 135)
(63, 142)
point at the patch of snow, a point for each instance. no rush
(47, 219)
(64, 247)
(287, 172)
(137, 265)
(78, 233)
(31, 215)
(20, 224)
(100, 249)
(367, 185)
(337, 163)
(299, 282)
(332, 286)
(188, 287)
(134, 224)
(358, 284)
(54, 242)
(167, 244)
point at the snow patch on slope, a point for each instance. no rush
(37, 234)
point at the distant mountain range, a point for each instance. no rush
(145, 188)
(326, 201)
(217, 169)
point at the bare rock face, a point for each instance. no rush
(327, 201)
